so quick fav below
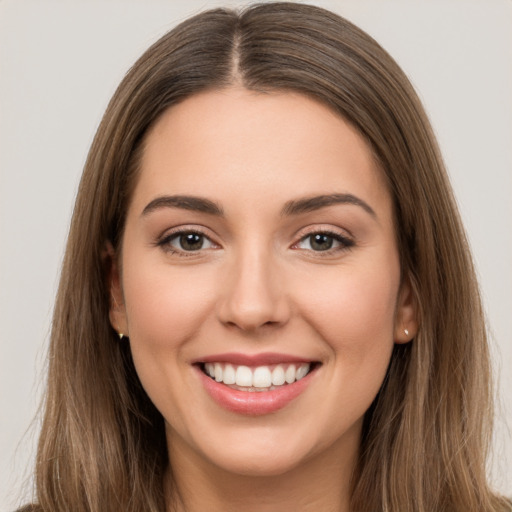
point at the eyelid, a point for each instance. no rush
(163, 240)
(328, 229)
(342, 236)
(321, 227)
(346, 239)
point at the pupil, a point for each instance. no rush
(191, 241)
(321, 242)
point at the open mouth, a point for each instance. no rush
(255, 385)
(259, 378)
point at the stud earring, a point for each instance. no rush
(120, 334)
(405, 330)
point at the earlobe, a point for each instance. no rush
(406, 318)
(117, 310)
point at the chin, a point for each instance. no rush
(259, 465)
(268, 451)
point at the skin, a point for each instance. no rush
(258, 285)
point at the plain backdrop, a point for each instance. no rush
(61, 61)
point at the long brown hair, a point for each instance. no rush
(426, 435)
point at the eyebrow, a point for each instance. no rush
(294, 207)
(312, 203)
(194, 203)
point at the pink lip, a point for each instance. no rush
(254, 403)
(263, 359)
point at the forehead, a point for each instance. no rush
(254, 145)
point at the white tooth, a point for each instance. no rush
(278, 378)
(302, 371)
(218, 372)
(210, 369)
(290, 374)
(229, 375)
(243, 376)
(262, 377)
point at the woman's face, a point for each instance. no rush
(259, 247)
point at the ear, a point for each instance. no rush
(406, 318)
(117, 310)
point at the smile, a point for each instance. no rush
(260, 378)
(255, 385)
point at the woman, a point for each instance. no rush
(267, 300)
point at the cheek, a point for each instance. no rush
(165, 308)
(164, 305)
(355, 320)
(355, 304)
(354, 313)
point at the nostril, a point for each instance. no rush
(252, 297)
(253, 317)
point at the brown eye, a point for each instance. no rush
(321, 242)
(191, 241)
(187, 241)
(324, 241)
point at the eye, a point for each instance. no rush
(323, 242)
(186, 241)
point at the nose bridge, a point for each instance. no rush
(254, 294)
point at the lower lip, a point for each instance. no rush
(254, 403)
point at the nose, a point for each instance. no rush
(253, 295)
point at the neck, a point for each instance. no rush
(320, 483)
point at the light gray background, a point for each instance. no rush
(61, 61)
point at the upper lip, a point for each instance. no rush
(262, 359)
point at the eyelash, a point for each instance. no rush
(345, 243)
(165, 242)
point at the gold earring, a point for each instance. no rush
(120, 334)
